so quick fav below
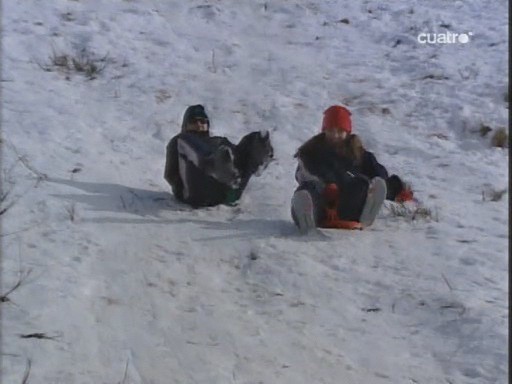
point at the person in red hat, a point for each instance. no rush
(341, 184)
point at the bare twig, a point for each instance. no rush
(212, 344)
(8, 179)
(71, 212)
(10, 354)
(21, 279)
(460, 307)
(8, 173)
(373, 309)
(214, 67)
(23, 159)
(4, 196)
(38, 335)
(27, 372)
(85, 63)
(40, 176)
(123, 202)
(3, 210)
(134, 194)
(125, 372)
(20, 230)
(45, 68)
(446, 281)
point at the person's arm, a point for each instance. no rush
(303, 175)
(397, 190)
(315, 160)
(319, 166)
(217, 141)
(372, 168)
(172, 171)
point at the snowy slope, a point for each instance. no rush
(122, 284)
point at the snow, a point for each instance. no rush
(132, 287)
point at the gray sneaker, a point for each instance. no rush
(375, 198)
(303, 211)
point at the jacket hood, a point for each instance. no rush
(192, 112)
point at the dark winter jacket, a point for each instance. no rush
(215, 192)
(323, 160)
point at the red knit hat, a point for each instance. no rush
(337, 116)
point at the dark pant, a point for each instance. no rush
(199, 188)
(353, 191)
(352, 196)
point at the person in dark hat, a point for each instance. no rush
(205, 170)
(341, 184)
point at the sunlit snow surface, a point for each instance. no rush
(122, 284)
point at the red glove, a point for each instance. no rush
(405, 195)
(331, 193)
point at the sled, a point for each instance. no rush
(333, 222)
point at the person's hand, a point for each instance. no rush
(405, 194)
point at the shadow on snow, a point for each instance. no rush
(110, 197)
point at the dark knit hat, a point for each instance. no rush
(192, 112)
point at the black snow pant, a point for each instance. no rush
(199, 188)
(353, 191)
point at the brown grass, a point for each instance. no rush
(500, 138)
(84, 62)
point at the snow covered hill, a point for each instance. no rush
(105, 278)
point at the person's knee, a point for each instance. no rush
(316, 198)
(311, 186)
(294, 217)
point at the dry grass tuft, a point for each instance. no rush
(484, 130)
(412, 213)
(84, 62)
(500, 138)
(492, 194)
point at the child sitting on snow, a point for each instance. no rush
(341, 184)
(206, 170)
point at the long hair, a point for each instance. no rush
(347, 148)
(353, 149)
(317, 141)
